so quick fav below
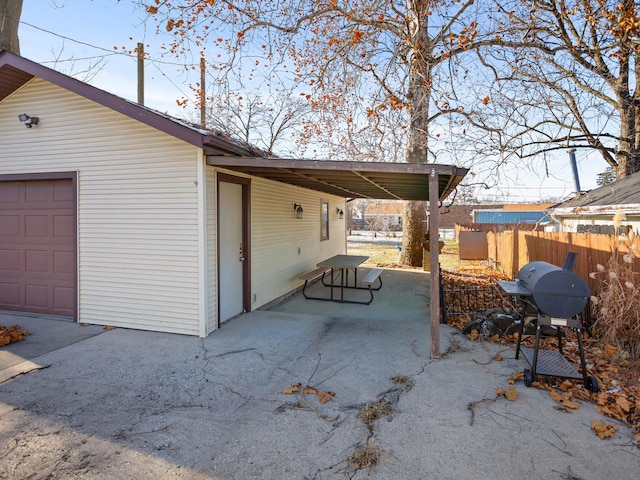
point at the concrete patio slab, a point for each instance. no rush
(131, 404)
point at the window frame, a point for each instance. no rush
(324, 220)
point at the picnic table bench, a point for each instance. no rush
(338, 267)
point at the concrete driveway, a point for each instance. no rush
(131, 404)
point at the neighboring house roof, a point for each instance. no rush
(383, 208)
(379, 180)
(460, 214)
(527, 207)
(623, 194)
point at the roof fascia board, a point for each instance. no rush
(597, 210)
(287, 163)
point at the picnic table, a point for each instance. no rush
(338, 267)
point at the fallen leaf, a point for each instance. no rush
(294, 388)
(624, 404)
(637, 437)
(603, 430)
(497, 357)
(554, 394)
(515, 377)
(109, 327)
(566, 385)
(473, 335)
(561, 408)
(610, 351)
(309, 391)
(511, 394)
(323, 397)
(570, 404)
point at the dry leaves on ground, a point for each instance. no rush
(323, 397)
(603, 430)
(618, 376)
(12, 334)
(510, 394)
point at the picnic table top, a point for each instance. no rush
(343, 261)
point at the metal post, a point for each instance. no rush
(434, 251)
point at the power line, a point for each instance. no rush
(109, 51)
(153, 61)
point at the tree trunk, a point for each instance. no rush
(414, 218)
(10, 11)
(414, 228)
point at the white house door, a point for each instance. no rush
(233, 254)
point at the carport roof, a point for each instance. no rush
(375, 180)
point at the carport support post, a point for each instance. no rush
(434, 251)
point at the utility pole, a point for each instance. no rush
(203, 96)
(140, 73)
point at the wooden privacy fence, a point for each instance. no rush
(495, 227)
(509, 251)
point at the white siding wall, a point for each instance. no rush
(137, 205)
(283, 247)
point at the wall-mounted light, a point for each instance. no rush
(28, 121)
(297, 210)
(340, 213)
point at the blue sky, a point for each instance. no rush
(71, 35)
(55, 32)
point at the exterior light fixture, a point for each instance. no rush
(28, 121)
(340, 213)
(297, 210)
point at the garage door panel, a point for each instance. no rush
(37, 191)
(35, 226)
(63, 226)
(38, 246)
(36, 296)
(64, 299)
(63, 193)
(9, 225)
(63, 263)
(36, 261)
(10, 194)
(9, 261)
(10, 295)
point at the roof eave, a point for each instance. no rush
(191, 135)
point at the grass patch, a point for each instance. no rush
(370, 412)
(388, 255)
(366, 456)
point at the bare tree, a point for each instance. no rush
(361, 61)
(10, 11)
(566, 76)
(271, 122)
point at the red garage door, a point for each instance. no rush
(37, 246)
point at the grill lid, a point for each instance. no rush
(556, 292)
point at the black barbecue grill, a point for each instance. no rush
(551, 296)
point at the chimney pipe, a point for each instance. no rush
(574, 167)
